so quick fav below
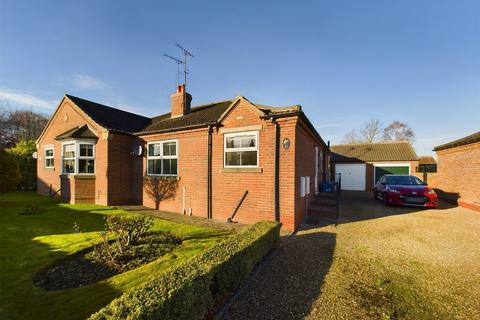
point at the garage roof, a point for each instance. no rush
(368, 152)
(460, 142)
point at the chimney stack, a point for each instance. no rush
(181, 102)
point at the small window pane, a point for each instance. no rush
(68, 166)
(49, 153)
(169, 166)
(249, 158)
(154, 166)
(232, 158)
(234, 142)
(248, 141)
(69, 151)
(154, 149)
(49, 163)
(86, 150)
(86, 166)
(170, 148)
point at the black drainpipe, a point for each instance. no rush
(277, 172)
(209, 174)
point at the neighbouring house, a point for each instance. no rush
(426, 164)
(458, 174)
(216, 153)
(361, 165)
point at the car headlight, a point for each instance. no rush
(431, 191)
(390, 189)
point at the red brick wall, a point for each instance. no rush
(124, 185)
(305, 166)
(192, 172)
(229, 185)
(65, 118)
(458, 173)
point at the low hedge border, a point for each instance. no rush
(189, 291)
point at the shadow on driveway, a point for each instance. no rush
(360, 205)
(291, 281)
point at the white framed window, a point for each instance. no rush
(78, 157)
(86, 158)
(241, 149)
(49, 158)
(68, 158)
(162, 158)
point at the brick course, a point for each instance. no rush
(458, 174)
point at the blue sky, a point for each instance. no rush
(343, 61)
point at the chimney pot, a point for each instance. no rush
(181, 102)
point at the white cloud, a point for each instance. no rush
(19, 98)
(82, 81)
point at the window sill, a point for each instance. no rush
(163, 177)
(255, 170)
(49, 169)
(86, 176)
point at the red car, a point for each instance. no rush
(405, 190)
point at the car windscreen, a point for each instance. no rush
(404, 180)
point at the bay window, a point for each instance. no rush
(241, 149)
(49, 158)
(162, 158)
(78, 157)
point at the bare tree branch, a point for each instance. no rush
(399, 131)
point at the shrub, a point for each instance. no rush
(30, 209)
(9, 172)
(124, 232)
(22, 153)
(188, 291)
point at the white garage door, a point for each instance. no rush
(353, 176)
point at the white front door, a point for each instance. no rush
(353, 176)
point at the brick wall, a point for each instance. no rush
(458, 174)
(305, 166)
(66, 117)
(229, 185)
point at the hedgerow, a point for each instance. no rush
(189, 290)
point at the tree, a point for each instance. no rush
(351, 137)
(398, 131)
(20, 125)
(159, 188)
(368, 133)
(22, 153)
(9, 172)
(371, 130)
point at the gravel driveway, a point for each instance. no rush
(378, 262)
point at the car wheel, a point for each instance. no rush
(385, 201)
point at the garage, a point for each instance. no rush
(380, 170)
(362, 164)
(353, 176)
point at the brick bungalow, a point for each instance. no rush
(92, 153)
(361, 165)
(458, 171)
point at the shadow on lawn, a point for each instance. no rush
(24, 255)
(360, 206)
(290, 281)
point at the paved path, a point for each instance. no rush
(312, 274)
(180, 218)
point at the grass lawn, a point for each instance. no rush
(32, 242)
(378, 263)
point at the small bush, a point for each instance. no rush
(22, 153)
(188, 291)
(125, 233)
(9, 172)
(30, 209)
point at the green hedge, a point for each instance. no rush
(190, 290)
